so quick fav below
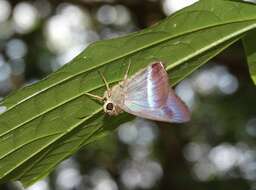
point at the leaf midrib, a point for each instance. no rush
(167, 68)
(124, 55)
(160, 41)
(54, 139)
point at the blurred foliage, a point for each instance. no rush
(215, 150)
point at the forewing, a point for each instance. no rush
(147, 94)
(148, 88)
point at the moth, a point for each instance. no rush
(146, 94)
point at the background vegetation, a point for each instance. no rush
(215, 150)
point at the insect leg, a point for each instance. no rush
(105, 81)
(106, 84)
(94, 96)
(127, 71)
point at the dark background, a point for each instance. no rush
(216, 150)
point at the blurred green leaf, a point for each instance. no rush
(250, 51)
(48, 121)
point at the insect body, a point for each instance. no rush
(146, 94)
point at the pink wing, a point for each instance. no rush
(148, 95)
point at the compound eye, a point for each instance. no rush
(110, 106)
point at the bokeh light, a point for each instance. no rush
(5, 70)
(107, 14)
(102, 180)
(25, 17)
(143, 174)
(170, 6)
(186, 92)
(16, 49)
(216, 147)
(215, 79)
(2, 109)
(224, 157)
(41, 185)
(68, 176)
(5, 12)
(68, 32)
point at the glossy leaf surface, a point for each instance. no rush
(48, 121)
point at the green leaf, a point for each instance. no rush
(250, 51)
(48, 121)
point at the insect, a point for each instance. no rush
(146, 94)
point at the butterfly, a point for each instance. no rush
(146, 94)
